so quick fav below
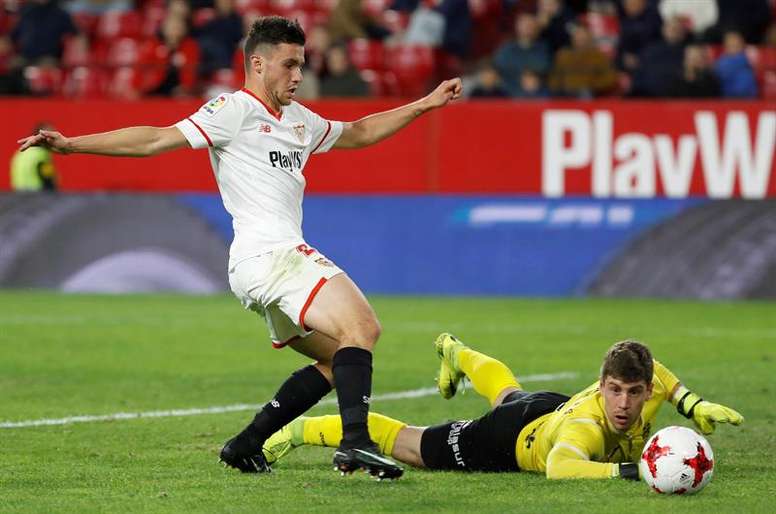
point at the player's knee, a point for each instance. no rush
(372, 330)
(363, 334)
(375, 331)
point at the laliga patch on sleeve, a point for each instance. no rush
(214, 105)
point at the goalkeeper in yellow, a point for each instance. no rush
(597, 433)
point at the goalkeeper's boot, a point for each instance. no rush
(241, 452)
(284, 440)
(351, 457)
(450, 376)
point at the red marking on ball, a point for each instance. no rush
(652, 453)
(700, 465)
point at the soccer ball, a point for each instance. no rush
(677, 460)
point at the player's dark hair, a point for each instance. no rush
(273, 30)
(629, 361)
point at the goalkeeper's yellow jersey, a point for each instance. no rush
(578, 441)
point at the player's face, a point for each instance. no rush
(282, 72)
(623, 401)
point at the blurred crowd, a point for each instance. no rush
(126, 49)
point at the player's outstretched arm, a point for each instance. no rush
(704, 414)
(376, 127)
(128, 142)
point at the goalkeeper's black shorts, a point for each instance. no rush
(487, 443)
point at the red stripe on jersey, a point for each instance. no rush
(314, 292)
(278, 345)
(277, 115)
(209, 142)
(328, 129)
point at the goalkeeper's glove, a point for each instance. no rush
(704, 414)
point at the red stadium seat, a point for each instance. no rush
(318, 18)
(238, 66)
(286, 7)
(261, 6)
(85, 82)
(76, 51)
(381, 83)
(715, 51)
(413, 67)
(281, 7)
(769, 85)
(122, 52)
(122, 84)
(7, 21)
(98, 52)
(486, 15)
(763, 61)
(304, 18)
(43, 80)
(114, 25)
(228, 79)
(768, 57)
(367, 54)
(307, 5)
(761, 57)
(447, 65)
(86, 22)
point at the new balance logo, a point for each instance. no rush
(366, 399)
(265, 128)
(275, 403)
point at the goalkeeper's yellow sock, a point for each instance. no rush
(327, 431)
(488, 376)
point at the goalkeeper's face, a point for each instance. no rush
(623, 401)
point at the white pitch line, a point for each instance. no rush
(400, 395)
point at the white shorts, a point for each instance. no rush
(280, 286)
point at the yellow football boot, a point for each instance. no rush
(284, 440)
(447, 347)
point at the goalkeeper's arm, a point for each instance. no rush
(564, 461)
(690, 405)
(576, 453)
(128, 142)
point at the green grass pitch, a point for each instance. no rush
(89, 355)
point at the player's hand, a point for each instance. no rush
(48, 139)
(445, 92)
(707, 414)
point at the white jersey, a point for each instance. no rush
(258, 157)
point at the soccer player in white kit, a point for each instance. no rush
(259, 140)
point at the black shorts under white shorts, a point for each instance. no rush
(487, 443)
